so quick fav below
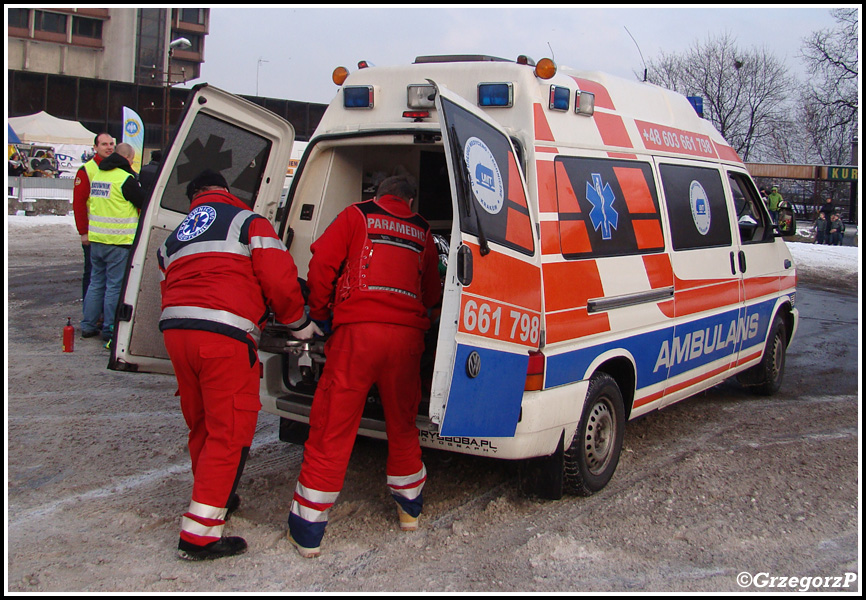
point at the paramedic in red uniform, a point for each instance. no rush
(221, 267)
(376, 267)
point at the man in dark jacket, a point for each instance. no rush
(148, 174)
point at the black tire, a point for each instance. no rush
(765, 378)
(590, 461)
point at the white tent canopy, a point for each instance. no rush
(47, 129)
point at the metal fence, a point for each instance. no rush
(39, 195)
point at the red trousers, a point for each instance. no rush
(358, 356)
(219, 398)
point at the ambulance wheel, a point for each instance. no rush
(591, 459)
(766, 377)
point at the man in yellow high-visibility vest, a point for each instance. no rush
(112, 211)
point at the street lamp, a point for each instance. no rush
(257, 73)
(180, 44)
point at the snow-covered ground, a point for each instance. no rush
(841, 260)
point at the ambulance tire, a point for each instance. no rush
(765, 378)
(590, 461)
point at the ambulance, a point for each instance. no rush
(604, 251)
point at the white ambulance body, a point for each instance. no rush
(607, 252)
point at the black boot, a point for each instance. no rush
(225, 546)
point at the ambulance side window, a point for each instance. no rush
(697, 209)
(238, 154)
(607, 207)
(751, 220)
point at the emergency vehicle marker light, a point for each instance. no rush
(420, 96)
(584, 103)
(545, 69)
(500, 95)
(358, 96)
(363, 64)
(525, 60)
(560, 97)
(416, 114)
(535, 372)
(339, 75)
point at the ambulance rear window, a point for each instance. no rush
(238, 154)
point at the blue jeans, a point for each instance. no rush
(108, 266)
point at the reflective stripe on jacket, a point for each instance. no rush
(113, 219)
(222, 267)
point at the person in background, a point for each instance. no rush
(222, 267)
(376, 268)
(16, 169)
(773, 202)
(112, 215)
(820, 228)
(103, 145)
(148, 174)
(836, 229)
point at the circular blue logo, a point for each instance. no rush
(485, 177)
(196, 223)
(700, 207)
(131, 127)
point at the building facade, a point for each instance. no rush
(120, 44)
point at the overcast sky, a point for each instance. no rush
(302, 45)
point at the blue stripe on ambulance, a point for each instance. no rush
(669, 352)
(489, 404)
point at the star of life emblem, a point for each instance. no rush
(196, 223)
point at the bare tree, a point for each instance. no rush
(829, 104)
(744, 91)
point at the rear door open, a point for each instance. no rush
(491, 313)
(251, 148)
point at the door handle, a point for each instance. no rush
(464, 265)
(733, 265)
(742, 262)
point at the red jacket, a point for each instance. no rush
(80, 194)
(222, 267)
(384, 244)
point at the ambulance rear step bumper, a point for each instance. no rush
(299, 406)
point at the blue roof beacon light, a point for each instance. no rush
(358, 96)
(560, 98)
(500, 95)
(698, 104)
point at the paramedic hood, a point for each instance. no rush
(355, 258)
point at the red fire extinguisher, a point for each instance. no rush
(68, 336)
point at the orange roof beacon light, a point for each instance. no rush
(545, 69)
(339, 75)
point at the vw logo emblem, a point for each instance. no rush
(473, 365)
